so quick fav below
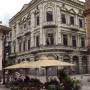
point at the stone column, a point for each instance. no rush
(76, 21)
(80, 65)
(41, 24)
(58, 18)
(17, 28)
(88, 63)
(17, 47)
(78, 41)
(32, 28)
(69, 39)
(60, 57)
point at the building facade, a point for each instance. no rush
(53, 28)
(4, 30)
(87, 19)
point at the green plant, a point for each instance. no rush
(68, 83)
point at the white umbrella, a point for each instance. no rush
(50, 62)
(22, 65)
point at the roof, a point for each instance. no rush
(4, 29)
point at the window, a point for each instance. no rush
(71, 20)
(80, 23)
(37, 41)
(82, 42)
(63, 18)
(65, 40)
(74, 41)
(25, 25)
(50, 39)
(28, 44)
(28, 59)
(37, 20)
(24, 42)
(29, 22)
(49, 16)
(20, 45)
(14, 46)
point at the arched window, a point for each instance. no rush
(66, 58)
(76, 62)
(49, 15)
(84, 64)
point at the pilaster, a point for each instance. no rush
(41, 23)
(80, 65)
(32, 28)
(89, 63)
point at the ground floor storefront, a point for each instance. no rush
(79, 59)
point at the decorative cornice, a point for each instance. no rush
(31, 5)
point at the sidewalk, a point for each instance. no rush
(84, 81)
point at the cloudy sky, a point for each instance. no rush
(9, 8)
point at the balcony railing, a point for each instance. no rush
(49, 25)
(57, 47)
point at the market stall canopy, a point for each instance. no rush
(22, 65)
(42, 62)
(50, 62)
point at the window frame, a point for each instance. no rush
(74, 41)
(80, 25)
(82, 42)
(49, 16)
(65, 21)
(65, 43)
(72, 21)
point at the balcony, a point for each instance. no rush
(54, 48)
(20, 34)
(49, 25)
(74, 27)
(27, 31)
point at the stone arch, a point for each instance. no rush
(49, 7)
(23, 60)
(66, 58)
(76, 62)
(84, 64)
(52, 56)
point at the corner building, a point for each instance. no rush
(53, 28)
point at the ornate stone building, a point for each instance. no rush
(4, 30)
(51, 27)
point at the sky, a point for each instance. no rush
(8, 8)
